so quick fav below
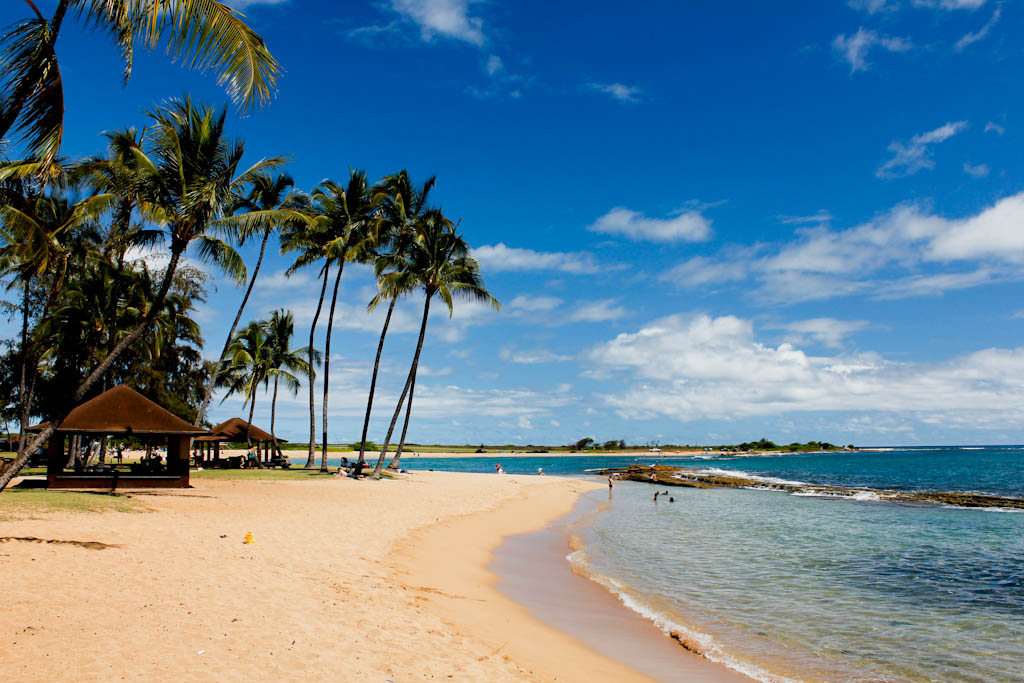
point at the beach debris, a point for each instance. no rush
(201, 652)
(248, 538)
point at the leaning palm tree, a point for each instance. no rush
(269, 204)
(250, 367)
(187, 172)
(400, 207)
(205, 34)
(283, 362)
(438, 262)
(344, 215)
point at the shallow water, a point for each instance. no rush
(782, 586)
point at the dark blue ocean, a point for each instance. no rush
(789, 587)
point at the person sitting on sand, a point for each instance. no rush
(498, 468)
(540, 471)
(357, 469)
(344, 461)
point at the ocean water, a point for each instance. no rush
(789, 587)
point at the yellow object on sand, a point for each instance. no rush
(248, 538)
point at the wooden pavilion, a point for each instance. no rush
(235, 431)
(124, 413)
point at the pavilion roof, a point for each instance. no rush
(235, 430)
(122, 410)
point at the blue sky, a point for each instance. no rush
(707, 222)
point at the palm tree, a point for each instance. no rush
(400, 207)
(437, 261)
(270, 204)
(250, 367)
(284, 363)
(187, 173)
(343, 214)
(205, 34)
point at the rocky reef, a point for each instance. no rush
(665, 475)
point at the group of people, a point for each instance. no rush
(615, 475)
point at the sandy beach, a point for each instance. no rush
(346, 580)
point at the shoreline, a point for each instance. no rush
(533, 569)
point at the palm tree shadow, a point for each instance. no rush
(89, 545)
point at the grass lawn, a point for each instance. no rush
(19, 503)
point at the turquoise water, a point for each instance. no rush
(791, 587)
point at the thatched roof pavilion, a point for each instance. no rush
(235, 430)
(122, 412)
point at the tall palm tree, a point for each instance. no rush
(284, 363)
(400, 207)
(269, 204)
(344, 216)
(205, 34)
(438, 262)
(188, 172)
(250, 367)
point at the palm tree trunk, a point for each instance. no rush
(212, 381)
(100, 370)
(394, 465)
(273, 414)
(310, 458)
(373, 380)
(248, 429)
(408, 384)
(327, 359)
(23, 402)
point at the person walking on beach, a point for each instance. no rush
(610, 483)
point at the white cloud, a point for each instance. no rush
(695, 367)
(524, 422)
(445, 18)
(531, 304)
(621, 92)
(971, 38)
(854, 49)
(883, 257)
(686, 226)
(977, 171)
(874, 6)
(827, 331)
(499, 257)
(598, 311)
(532, 356)
(242, 4)
(992, 127)
(822, 216)
(910, 158)
(950, 4)
(493, 65)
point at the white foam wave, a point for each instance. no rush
(981, 509)
(755, 477)
(708, 647)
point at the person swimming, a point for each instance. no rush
(656, 494)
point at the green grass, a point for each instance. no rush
(20, 503)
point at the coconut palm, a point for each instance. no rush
(205, 34)
(438, 262)
(270, 203)
(187, 174)
(284, 363)
(249, 360)
(400, 207)
(343, 216)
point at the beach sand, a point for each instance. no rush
(346, 580)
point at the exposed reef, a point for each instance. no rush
(665, 475)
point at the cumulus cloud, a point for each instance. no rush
(598, 311)
(855, 48)
(621, 92)
(499, 257)
(992, 127)
(907, 251)
(827, 331)
(976, 171)
(874, 6)
(971, 38)
(685, 226)
(531, 304)
(950, 4)
(909, 158)
(690, 367)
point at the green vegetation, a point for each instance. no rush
(28, 503)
